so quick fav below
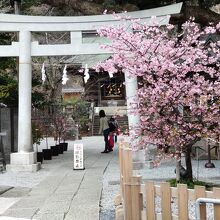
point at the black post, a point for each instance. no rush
(12, 129)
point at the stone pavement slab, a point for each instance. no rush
(11, 218)
(59, 207)
(49, 216)
(83, 212)
(21, 212)
(65, 193)
(4, 189)
(29, 202)
(5, 203)
(82, 194)
(56, 197)
(16, 192)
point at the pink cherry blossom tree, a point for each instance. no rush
(179, 89)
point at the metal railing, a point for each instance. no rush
(204, 200)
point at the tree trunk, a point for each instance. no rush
(178, 163)
(188, 162)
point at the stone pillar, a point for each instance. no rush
(131, 96)
(25, 158)
(138, 155)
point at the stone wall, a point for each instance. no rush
(9, 125)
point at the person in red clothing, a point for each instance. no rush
(112, 130)
(117, 130)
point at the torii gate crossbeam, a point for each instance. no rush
(25, 49)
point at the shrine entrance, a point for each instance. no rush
(113, 91)
(26, 48)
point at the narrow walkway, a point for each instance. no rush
(57, 192)
(64, 193)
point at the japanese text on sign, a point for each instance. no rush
(78, 157)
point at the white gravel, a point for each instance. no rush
(110, 189)
(162, 173)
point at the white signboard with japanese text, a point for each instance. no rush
(78, 157)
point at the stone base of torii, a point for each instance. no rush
(23, 161)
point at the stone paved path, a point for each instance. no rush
(63, 193)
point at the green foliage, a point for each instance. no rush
(8, 85)
(80, 111)
(7, 63)
(28, 3)
(5, 38)
(191, 184)
(36, 81)
(39, 97)
(109, 4)
(207, 3)
(146, 4)
(8, 90)
(78, 104)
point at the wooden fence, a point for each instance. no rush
(138, 198)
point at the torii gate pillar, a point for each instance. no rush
(131, 97)
(25, 159)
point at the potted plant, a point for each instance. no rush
(55, 148)
(59, 125)
(63, 133)
(37, 136)
(43, 131)
(48, 151)
(80, 121)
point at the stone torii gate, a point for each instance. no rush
(25, 49)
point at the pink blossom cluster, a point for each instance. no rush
(179, 89)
